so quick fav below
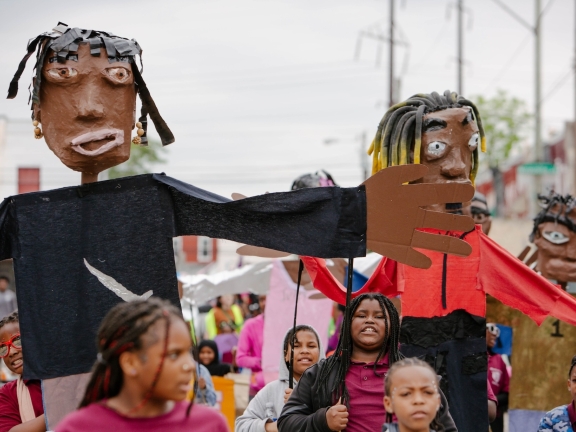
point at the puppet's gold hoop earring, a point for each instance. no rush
(139, 133)
(37, 131)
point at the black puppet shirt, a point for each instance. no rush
(80, 250)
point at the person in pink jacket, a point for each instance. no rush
(249, 352)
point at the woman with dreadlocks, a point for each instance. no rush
(345, 391)
(142, 375)
(444, 306)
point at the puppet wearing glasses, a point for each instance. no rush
(443, 307)
(540, 353)
(79, 250)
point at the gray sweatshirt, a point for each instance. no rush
(254, 417)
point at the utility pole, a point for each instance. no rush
(536, 29)
(391, 41)
(382, 36)
(460, 19)
(537, 87)
(363, 159)
(538, 97)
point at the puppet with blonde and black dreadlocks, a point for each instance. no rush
(443, 307)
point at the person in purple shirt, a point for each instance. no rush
(249, 351)
(142, 376)
(498, 377)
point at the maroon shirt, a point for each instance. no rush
(366, 396)
(498, 374)
(98, 418)
(9, 409)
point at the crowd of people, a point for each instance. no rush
(149, 376)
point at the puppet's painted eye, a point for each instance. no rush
(436, 148)
(555, 237)
(473, 143)
(62, 73)
(119, 74)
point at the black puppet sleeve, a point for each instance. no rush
(325, 222)
(6, 230)
(301, 413)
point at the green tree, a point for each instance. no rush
(506, 123)
(143, 159)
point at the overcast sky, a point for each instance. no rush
(253, 88)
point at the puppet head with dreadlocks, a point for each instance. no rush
(554, 234)
(443, 132)
(84, 97)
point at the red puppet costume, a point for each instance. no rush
(443, 307)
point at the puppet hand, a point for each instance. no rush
(337, 416)
(394, 213)
(287, 394)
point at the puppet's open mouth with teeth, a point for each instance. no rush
(98, 142)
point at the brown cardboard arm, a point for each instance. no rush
(394, 212)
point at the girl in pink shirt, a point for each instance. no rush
(142, 375)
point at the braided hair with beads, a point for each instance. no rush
(12, 318)
(398, 139)
(122, 330)
(407, 362)
(340, 360)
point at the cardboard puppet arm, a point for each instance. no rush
(394, 213)
(508, 279)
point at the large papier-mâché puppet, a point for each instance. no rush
(79, 250)
(540, 353)
(443, 307)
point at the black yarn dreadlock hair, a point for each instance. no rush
(12, 318)
(64, 42)
(399, 137)
(555, 208)
(340, 360)
(122, 330)
(435, 425)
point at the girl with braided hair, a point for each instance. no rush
(345, 391)
(142, 375)
(412, 396)
(21, 407)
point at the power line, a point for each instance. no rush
(558, 85)
(509, 63)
